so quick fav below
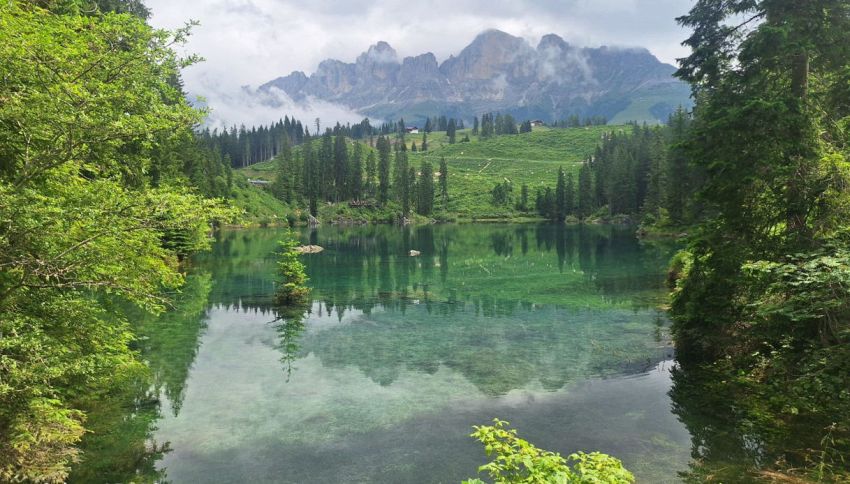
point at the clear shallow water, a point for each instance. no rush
(554, 329)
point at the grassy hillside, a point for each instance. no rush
(542, 145)
(652, 106)
(529, 158)
(260, 171)
(258, 206)
(476, 166)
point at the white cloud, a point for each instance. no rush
(249, 42)
(244, 106)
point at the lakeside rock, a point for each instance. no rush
(310, 249)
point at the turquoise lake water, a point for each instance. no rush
(555, 329)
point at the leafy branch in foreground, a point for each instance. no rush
(89, 109)
(518, 461)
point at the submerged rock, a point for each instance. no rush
(414, 253)
(310, 249)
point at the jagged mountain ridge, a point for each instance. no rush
(496, 72)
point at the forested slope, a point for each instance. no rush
(104, 188)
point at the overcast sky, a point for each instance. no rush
(248, 42)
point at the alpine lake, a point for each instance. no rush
(559, 330)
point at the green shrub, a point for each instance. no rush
(292, 288)
(518, 461)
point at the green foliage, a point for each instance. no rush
(812, 287)
(479, 163)
(552, 146)
(518, 461)
(42, 442)
(290, 324)
(532, 159)
(256, 206)
(643, 172)
(292, 288)
(763, 301)
(501, 194)
(444, 183)
(383, 148)
(94, 205)
(425, 189)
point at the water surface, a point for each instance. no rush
(382, 376)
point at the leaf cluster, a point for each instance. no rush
(518, 461)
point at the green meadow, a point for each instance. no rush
(476, 166)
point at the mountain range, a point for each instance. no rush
(496, 72)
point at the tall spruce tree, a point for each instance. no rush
(384, 153)
(444, 183)
(327, 178)
(560, 197)
(401, 187)
(355, 183)
(677, 195)
(371, 175)
(409, 194)
(425, 189)
(760, 297)
(312, 175)
(341, 173)
(586, 196)
(522, 205)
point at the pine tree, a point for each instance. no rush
(770, 80)
(450, 131)
(523, 199)
(326, 164)
(355, 183)
(312, 175)
(569, 196)
(560, 197)
(425, 189)
(425, 141)
(678, 193)
(284, 186)
(586, 196)
(409, 191)
(371, 174)
(383, 147)
(656, 185)
(444, 183)
(341, 173)
(622, 188)
(401, 188)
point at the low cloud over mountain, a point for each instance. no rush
(496, 72)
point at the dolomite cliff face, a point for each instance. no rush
(496, 72)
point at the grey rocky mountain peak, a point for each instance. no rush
(496, 72)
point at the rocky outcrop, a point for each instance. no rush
(292, 84)
(496, 72)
